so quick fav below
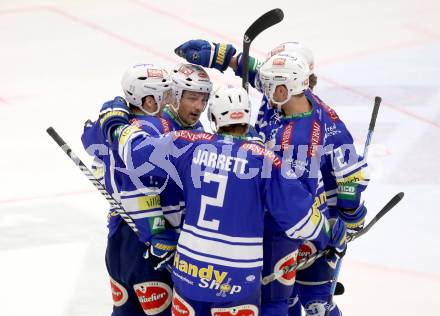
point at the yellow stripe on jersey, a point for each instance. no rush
(126, 133)
(111, 114)
(98, 172)
(355, 177)
(148, 202)
(316, 214)
(165, 247)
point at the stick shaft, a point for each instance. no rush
(98, 185)
(265, 21)
(377, 101)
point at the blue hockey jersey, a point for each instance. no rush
(228, 184)
(343, 171)
(299, 139)
(147, 199)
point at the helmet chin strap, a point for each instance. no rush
(150, 113)
(213, 126)
(173, 107)
(270, 93)
(278, 104)
(157, 100)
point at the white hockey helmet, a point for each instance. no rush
(142, 80)
(295, 48)
(189, 77)
(228, 106)
(290, 70)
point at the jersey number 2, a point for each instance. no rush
(207, 200)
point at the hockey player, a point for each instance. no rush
(342, 171)
(217, 267)
(192, 86)
(137, 287)
(300, 134)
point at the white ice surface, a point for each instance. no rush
(59, 60)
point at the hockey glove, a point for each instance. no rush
(162, 248)
(354, 219)
(113, 113)
(338, 239)
(203, 53)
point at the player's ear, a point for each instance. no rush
(148, 103)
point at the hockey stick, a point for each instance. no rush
(276, 275)
(113, 203)
(377, 101)
(265, 21)
(116, 205)
(339, 289)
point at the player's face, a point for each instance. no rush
(192, 104)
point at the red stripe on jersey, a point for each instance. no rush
(315, 138)
(331, 113)
(193, 136)
(135, 122)
(261, 151)
(165, 125)
(286, 136)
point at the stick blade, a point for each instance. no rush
(393, 202)
(265, 21)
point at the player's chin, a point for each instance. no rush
(193, 118)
